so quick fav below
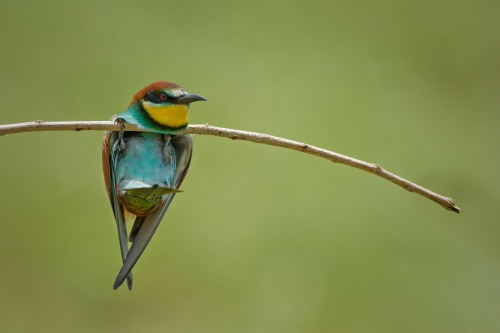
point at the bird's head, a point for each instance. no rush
(162, 105)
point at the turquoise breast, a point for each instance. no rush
(144, 170)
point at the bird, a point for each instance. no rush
(144, 170)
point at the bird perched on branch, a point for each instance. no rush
(143, 170)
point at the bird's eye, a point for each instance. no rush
(157, 97)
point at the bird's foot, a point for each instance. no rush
(121, 121)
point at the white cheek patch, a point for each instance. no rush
(177, 92)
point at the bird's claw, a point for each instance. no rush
(121, 122)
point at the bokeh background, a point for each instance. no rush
(263, 239)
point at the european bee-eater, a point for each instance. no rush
(143, 170)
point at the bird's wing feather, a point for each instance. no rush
(105, 162)
(183, 146)
(109, 153)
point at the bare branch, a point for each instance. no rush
(39, 126)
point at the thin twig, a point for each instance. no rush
(39, 126)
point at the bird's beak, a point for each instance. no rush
(189, 98)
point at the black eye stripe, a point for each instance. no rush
(158, 97)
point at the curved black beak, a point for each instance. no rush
(190, 98)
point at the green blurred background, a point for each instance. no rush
(263, 239)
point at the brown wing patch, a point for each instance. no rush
(106, 149)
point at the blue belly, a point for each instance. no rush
(144, 171)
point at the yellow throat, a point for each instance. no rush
(172, 116)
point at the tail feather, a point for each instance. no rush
(135, 228)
